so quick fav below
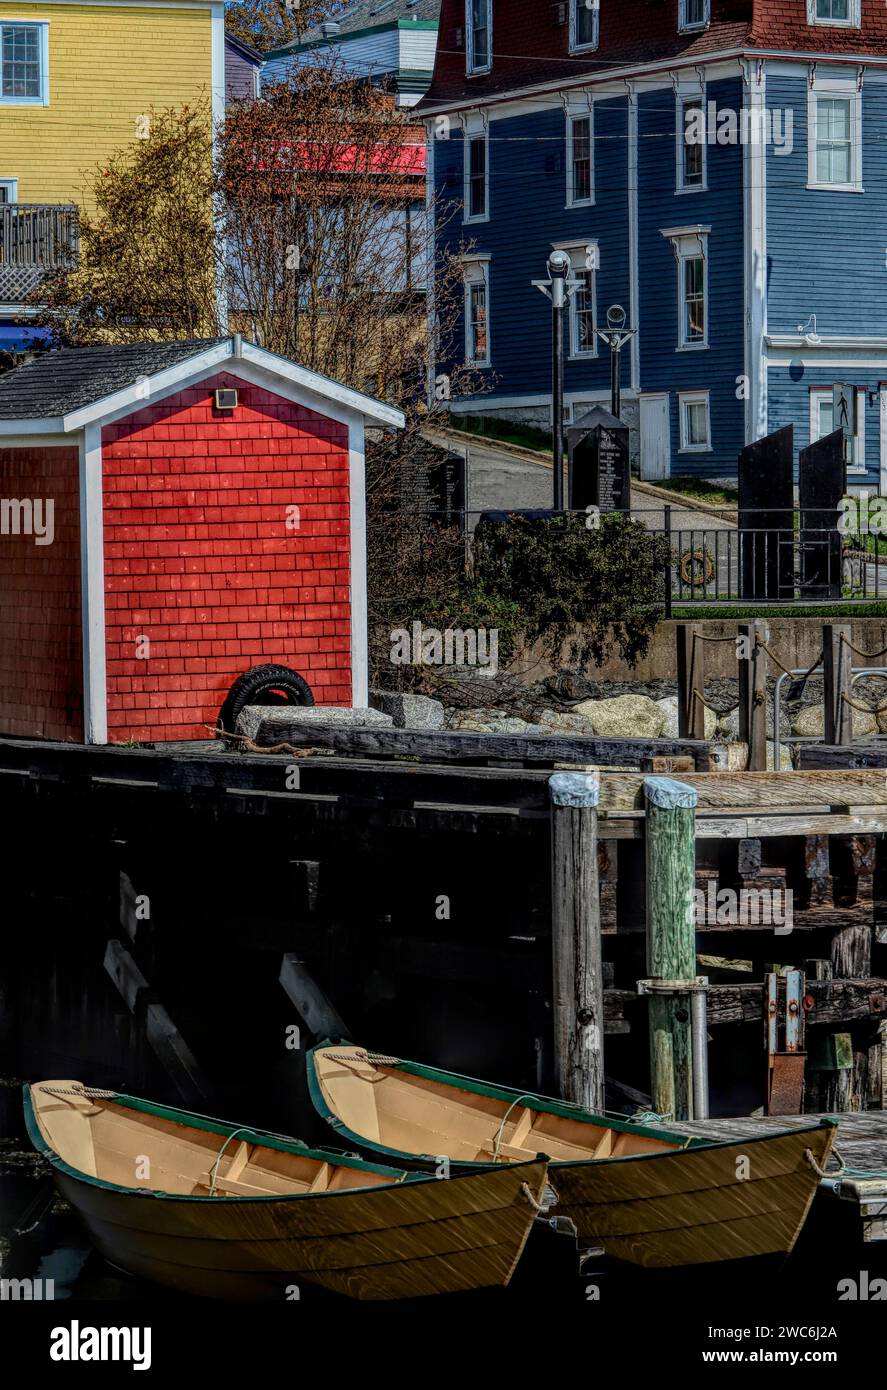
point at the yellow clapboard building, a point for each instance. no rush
(77, 81)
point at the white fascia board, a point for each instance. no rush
(839, 341)
(357, 518)
(324, 388)
(135, 396)
(36, 427)
(323, 392)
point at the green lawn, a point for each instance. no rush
(701, 490)
(505, 431)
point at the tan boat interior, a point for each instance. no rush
(417, 1115)
(134, 1149)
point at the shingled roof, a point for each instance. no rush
(72, 378)
(361, 15)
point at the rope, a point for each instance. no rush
(498, 1140)
(215, 1172)
(537, 1206)
(866, 709)
(857, 651)
(251, 747)
(376, 1059)
(759, 642)
(702, 637)
(713, 708)
(651, 1117)
(82, 1092)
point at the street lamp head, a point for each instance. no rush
(616, 316)
(558, 263)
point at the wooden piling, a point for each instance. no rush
(578, 1000)
(837, 660)
(753, 692)
(691, 680)
(671, 937)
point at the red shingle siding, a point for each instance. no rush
(783, 24)
(531, 47)
(40, 633)
(199, 559)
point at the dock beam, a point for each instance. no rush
(671, 937)
(578, 994)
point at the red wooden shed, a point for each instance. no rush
(172, 514)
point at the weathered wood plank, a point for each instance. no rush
(160, 1031)
(465, 747)
(829, 756)
(756, 791)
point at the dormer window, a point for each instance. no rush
(479, 28)
(693, 15)
(584, 25)
(844, 14)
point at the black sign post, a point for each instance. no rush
(822, 482)
(600, 469)
(766, 517)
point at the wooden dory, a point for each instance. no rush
(649, 1196)
(228, 1212)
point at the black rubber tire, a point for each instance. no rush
(263, 685)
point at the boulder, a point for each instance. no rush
(785, 757)
(409, 711)
(624, 716)
(324, 715)
(810, 721)
(669, 707)
(488, 721)
(564, 722)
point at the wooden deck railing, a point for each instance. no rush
(41, 236)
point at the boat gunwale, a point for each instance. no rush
(549, 1105)
(221, 1127)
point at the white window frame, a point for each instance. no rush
(820, 395)
(682, 99)
(472, 68)
(476, 271)
(853, 20)
(686, 399)
(585, 113)
(689, 243)
(475, 127)
(581, 250)
(595, 7)
(12, 185)
(685, 26)
(43, 26)
(845, 90)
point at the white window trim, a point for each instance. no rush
(471, 68)
(682, 98)
(684, 27)
(476, 270)
(580, 114)
(690, 242)
(595, 7)
(817, 397)
(43, 26)
(12, 185)
(475, 127)
(853, 20)
(849, 91)
(687, 398)
(579, 249)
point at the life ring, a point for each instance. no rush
(697, 567)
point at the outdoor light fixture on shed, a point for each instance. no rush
(226, 398)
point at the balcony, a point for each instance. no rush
(35, 238)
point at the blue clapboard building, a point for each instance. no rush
(719, 169)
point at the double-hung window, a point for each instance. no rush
(834, 136)
(476, 270)
(844, 14)
(695, 422)
(693, 14)
(580, 159)
(24, 64)
(479, 27)
(584, 24)
(690, 246)
(476, 174)
(691, 144)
